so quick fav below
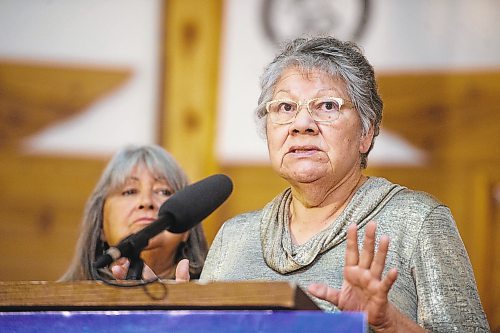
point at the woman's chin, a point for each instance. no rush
(304, 176)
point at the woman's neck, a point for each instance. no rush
(315, 206)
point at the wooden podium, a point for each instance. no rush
(92, 306)
(96, 295)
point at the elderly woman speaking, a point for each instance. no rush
(320, 111)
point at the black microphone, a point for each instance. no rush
(182, 211)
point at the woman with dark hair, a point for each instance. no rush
(127, 198)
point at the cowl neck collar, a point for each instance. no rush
(277, 246)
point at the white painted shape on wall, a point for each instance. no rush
(115, 33)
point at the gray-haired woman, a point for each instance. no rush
(127, 197)
(320, 111)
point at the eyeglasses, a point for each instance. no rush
(322, 109)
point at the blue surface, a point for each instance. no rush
(182, 321)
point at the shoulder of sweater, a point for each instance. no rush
(404, 194)
(243, 219)
(411, 197)
(418, 203)
(408, 201)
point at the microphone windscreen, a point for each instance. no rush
(190, 205)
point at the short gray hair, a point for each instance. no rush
(337, 58)
(160, 163)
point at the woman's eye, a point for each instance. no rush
(328, 106)
(285, 107)
(129, 191)
(165, 192)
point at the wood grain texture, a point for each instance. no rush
(42, 201)
(35, 95)
(191, 66)
(452, 116)
(190, 82)
(86, 295)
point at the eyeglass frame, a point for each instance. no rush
(342, 102)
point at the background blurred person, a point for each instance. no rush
(127, 198)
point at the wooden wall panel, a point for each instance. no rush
(452, 116)
(42, 198)
(254, 186)
(34, 95)
(191, 65)
(484, 206)
(41, 202)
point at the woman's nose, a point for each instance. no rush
(303, 122)
(146, 201)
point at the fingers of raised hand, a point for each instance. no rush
(352, 252)
(322, 291)
(366, 256)
(378, 264)
(369, 260)
(389, 279)
(353, 256)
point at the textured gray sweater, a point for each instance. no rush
(435, 286)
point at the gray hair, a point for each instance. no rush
(340, 59)
(90, 244)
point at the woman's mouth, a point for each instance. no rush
(304, 150)
(144, 220)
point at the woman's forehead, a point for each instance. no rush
(133, 173)
(296, 72)
(322, 79)
(142, 169)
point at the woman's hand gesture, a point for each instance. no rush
(364, 288)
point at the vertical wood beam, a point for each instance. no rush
(190, 79)
(191, 48)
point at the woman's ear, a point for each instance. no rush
(185, 237)
(366, 141)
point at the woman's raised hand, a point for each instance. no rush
(364, 288)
